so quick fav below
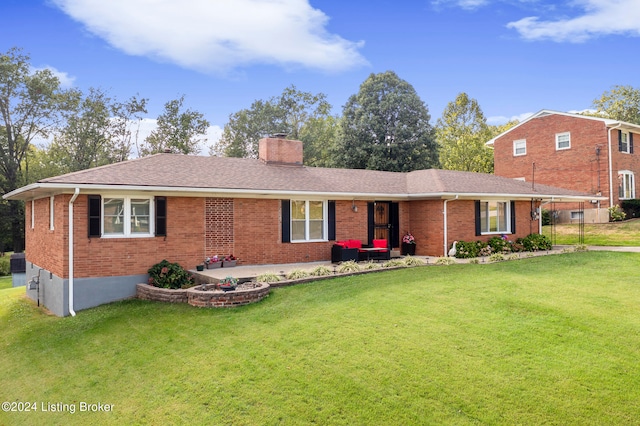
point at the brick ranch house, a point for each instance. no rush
(92, 235)
(587, 154)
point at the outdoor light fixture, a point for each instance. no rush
(354, 207)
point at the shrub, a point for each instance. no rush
(466, 249)
(268, 277)
(348, 266)
(297, 274)
(496, 257)
(499, 244)
(5, 268)
(413, 261)
(616, 214)
(445, 261)
(371, 265)
(393, 263)
(535, 242)
(170, 275)
(546, 217)
(321, 271)
(631, 208)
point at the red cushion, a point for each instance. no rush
(340, 243)
(380, 243)
(355, 244)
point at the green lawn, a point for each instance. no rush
(5, 282)
(625, 233)
(543, 340)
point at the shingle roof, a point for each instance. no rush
(184, 172)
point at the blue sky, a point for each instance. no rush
(514, 56)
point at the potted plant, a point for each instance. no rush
(228, 284)
(229, 261)
(213, 262)
(408, 245)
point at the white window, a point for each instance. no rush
(577, 215)
(519, 147)
(495, 217)
(308, 220)
(563, 140)
(51, 213)
(624, 142)
(127, 216)
(626, 185)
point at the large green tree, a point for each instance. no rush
(620, 103)
(300, 115)
(31, 106)
(97, 132)
(178, 129)
(461, 133)
(385, 126)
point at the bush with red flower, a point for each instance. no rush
(170, 275)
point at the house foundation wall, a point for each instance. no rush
(53, 291)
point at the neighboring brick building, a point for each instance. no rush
(577, 152)
(92, 235)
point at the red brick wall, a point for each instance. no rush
(623, 161)
(578, 168)
(248, 228)
(44, 247)
(183, 244)
(428, 226)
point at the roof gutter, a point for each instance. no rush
(617, 126)
(445, 233)
(71, 201)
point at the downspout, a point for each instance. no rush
(444, 212)
(71, 201)
(611, 163)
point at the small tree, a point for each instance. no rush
(178, 130)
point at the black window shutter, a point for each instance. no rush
(95, 215)
(286, 221)
(513, 217)
(394, 218)
(630, 143)
(478, 222)
(331, 207)
(620, 140)
(161, 216)
(370, 222)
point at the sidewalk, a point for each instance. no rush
(252, 271)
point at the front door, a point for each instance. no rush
(383, 222)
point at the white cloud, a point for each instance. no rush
(464, 4)
(66, 81)
(501, 119)
(600, 17)
(218, 35)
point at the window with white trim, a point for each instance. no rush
(563, 140)
(127, 217)
(519, 147)
(308, 220)
(495, 217)
(626, 185)
(624, 142)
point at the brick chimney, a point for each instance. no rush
(280, 151)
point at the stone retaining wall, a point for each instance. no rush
(211, 298)
(226, 299)
(149, 292)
